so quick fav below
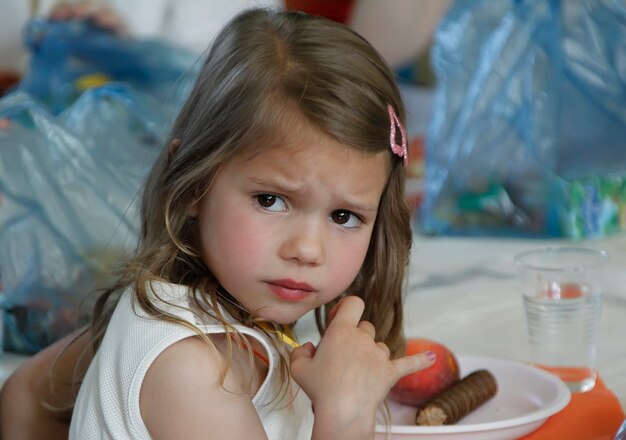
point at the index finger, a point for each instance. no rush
(410, 364)
(348, 311)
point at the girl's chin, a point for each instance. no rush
(278, 317)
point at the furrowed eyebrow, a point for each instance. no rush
(365, 208)
(275, 185)
(344, 202)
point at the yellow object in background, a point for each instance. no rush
(91, 81)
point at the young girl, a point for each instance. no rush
(281, 191)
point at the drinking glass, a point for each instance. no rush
(562, 292)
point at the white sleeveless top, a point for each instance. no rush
(107, 406)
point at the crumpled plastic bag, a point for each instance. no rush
(69, 189)
(77, 139)
(528, 133)
(69, 57)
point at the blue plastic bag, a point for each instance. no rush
(529, 108)
(77, 139)
(69, 57)
(68, 214)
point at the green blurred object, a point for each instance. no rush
(594, 207)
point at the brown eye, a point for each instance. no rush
(346, 219)
(271, 202)
(341, 217)
(266, 200)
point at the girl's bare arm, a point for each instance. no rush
(46, 377)
(182, 395)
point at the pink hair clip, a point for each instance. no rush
(400, 150)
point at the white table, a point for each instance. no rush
(465, 293)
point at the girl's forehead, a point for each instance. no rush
(315, 163)
(300, 151)
(297, 137)
(314, 151)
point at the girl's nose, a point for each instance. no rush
(304, 244)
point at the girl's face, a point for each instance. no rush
(287, 230)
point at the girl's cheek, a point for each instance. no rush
(348, 262)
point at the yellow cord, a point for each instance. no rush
(287, 339)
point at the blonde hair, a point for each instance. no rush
(264, 67)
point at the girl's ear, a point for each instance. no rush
(174, 145)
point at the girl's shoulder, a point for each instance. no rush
(145, 361)
(228, 347)
(210, 377)
(192, 387)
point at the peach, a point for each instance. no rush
(419, 387)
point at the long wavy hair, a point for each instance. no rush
(262, 71)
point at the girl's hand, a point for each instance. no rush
(348, 375)
(100, 15)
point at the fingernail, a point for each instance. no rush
(431, 356)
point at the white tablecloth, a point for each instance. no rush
(465, 292)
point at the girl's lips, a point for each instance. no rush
(290, 290)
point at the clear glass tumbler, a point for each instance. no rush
(562, 292)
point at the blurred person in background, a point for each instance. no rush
(398, 29)
(190, 23)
